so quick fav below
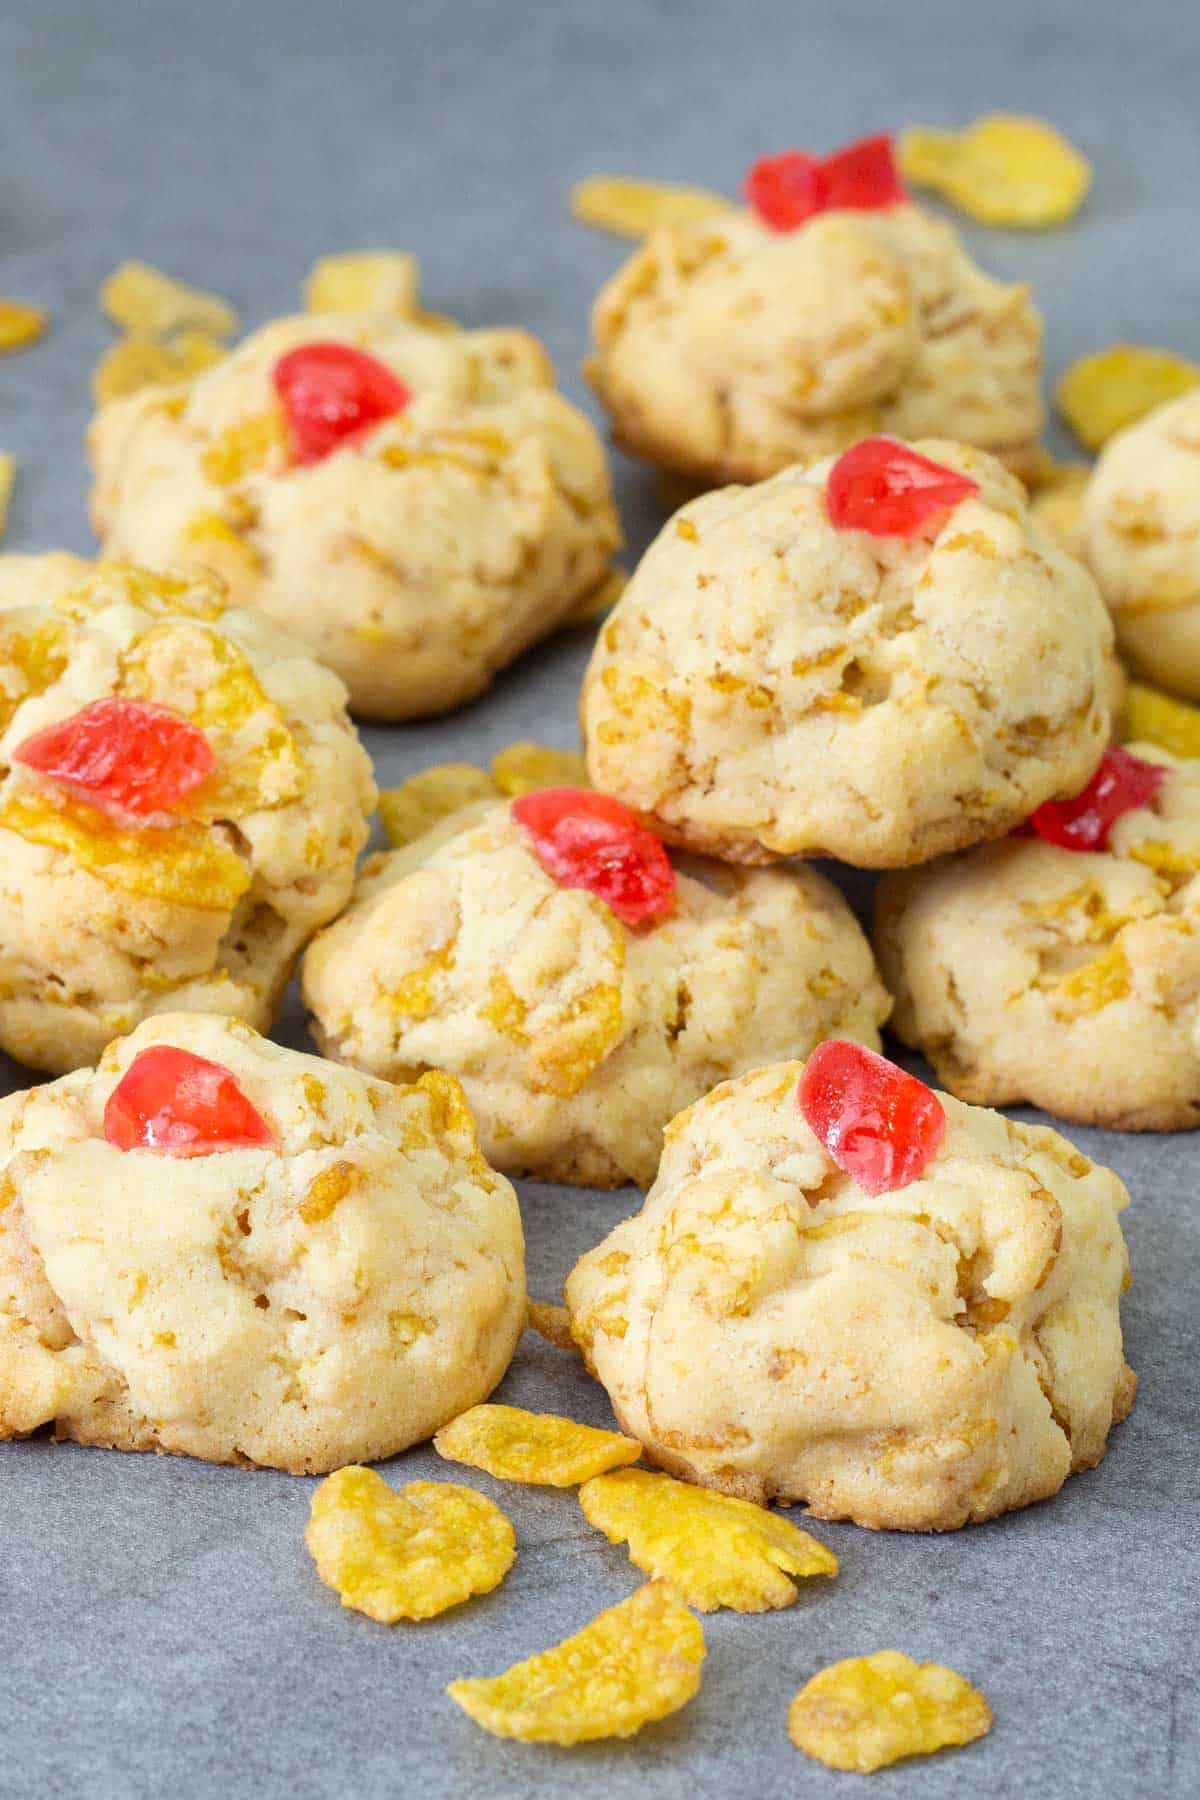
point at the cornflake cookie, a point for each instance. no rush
(913, 678)
(219, 1248)
(418, 502)
(182, 799)
(728, 347)
(1141, 537)
(913, 1333)
(578, 1032)
(1068, 977)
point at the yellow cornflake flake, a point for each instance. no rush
(1005, 169)
(869, 1711)
(524, 767)
(409, 1554)
(635, 1663)
(136, 362)
(542, 1448)
(418, 804)
(1093, 985)
(1151, 717)
(714, 1549)
(552, 1323)
(602, 598)
(245, 448)
(147, 302)
(1103, 393)
(634, 209)
(20, 325)
(384, 281)
(8, 480)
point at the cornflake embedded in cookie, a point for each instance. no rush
(581, 987)
(327, 1272)
(913, 1359)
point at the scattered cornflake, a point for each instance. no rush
(554, 1324)
(523, 767)
(1005, 169)
(418, 804)
(137, 362)
(716, 1550)
(385, 281)
(1151, 717)
(20, 325)
(8, 480)
(409, 1554)
(542, 1448)
(147, 302)
(636, 208)
(870, 1711)
(635, 1663)
(602, 599)
(1100, 394)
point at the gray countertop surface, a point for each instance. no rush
(161, 1628)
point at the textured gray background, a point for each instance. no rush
(161, 1629)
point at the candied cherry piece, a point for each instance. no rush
(331, 393)
(786, 190)
(883, 487)
(588, 840)
(130, 758)
(879, 1124)
(1121, 784)
(181, 1105)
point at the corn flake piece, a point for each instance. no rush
(1151, 717)
(716, 1550)
(385, 281)
(636, 208)
(635, 1663)
(524, 767)
(406, 1555)
(20, 325)
(138, 362)
(552, 1323)
(1100, 394)
(543, 1448)
(8, 480)
(418, 804)
(1005, 169)
(601, 600)
(869, 1711)
(146, 302)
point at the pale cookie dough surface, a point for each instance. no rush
(1140, 533)
(1069, 979)
(916, 1360)
(99, 925)
(575, 1037)
(331, 1299)
(726, 350)
(769, 686)
(417, 560)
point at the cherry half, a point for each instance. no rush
(589, 840)
(1121, 784)
(788, 189)
(879, 1124)
(883, 487)
(133, 760)
(181, 1105)
(332, 393)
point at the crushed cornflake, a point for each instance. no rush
(714, 1549)
(1103, 393)
(406, 1554)
(552, 1323)
(523, 767)
(869, 1711)
(541, 1448)
(635, 1663)
(8, 480)
(1005, 169)
(383, 281)
(137, 362)
(634, 209)
(1152, 717)
(147, 302)
(421, 802)
(20, 325)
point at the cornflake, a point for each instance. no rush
(552, 1323)
(524, 767)
(384, 281)
(1100, 394)
(409, 1554)
(20, 325)
(636, 208)
(1005, 169)
(146, 302)
(637, 1662)
(716, 1550)
(8, 480)
(542, 1448)
(870, 1711)
(136, 362)
(1151, 717)
(418, 804)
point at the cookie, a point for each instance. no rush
(204, 902)
(725, 350)
(328, 1293)
(1140, 534)
(1027, 971)
(463, 512)
(576, 1035)
(770, 684)
(912, 1359)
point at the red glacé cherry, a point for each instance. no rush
(1121, 784)
(181, 1105)
(879, 1124)
(588, 840)
(788, 189)
(332, 392)
(883, 487)
(129, 758)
